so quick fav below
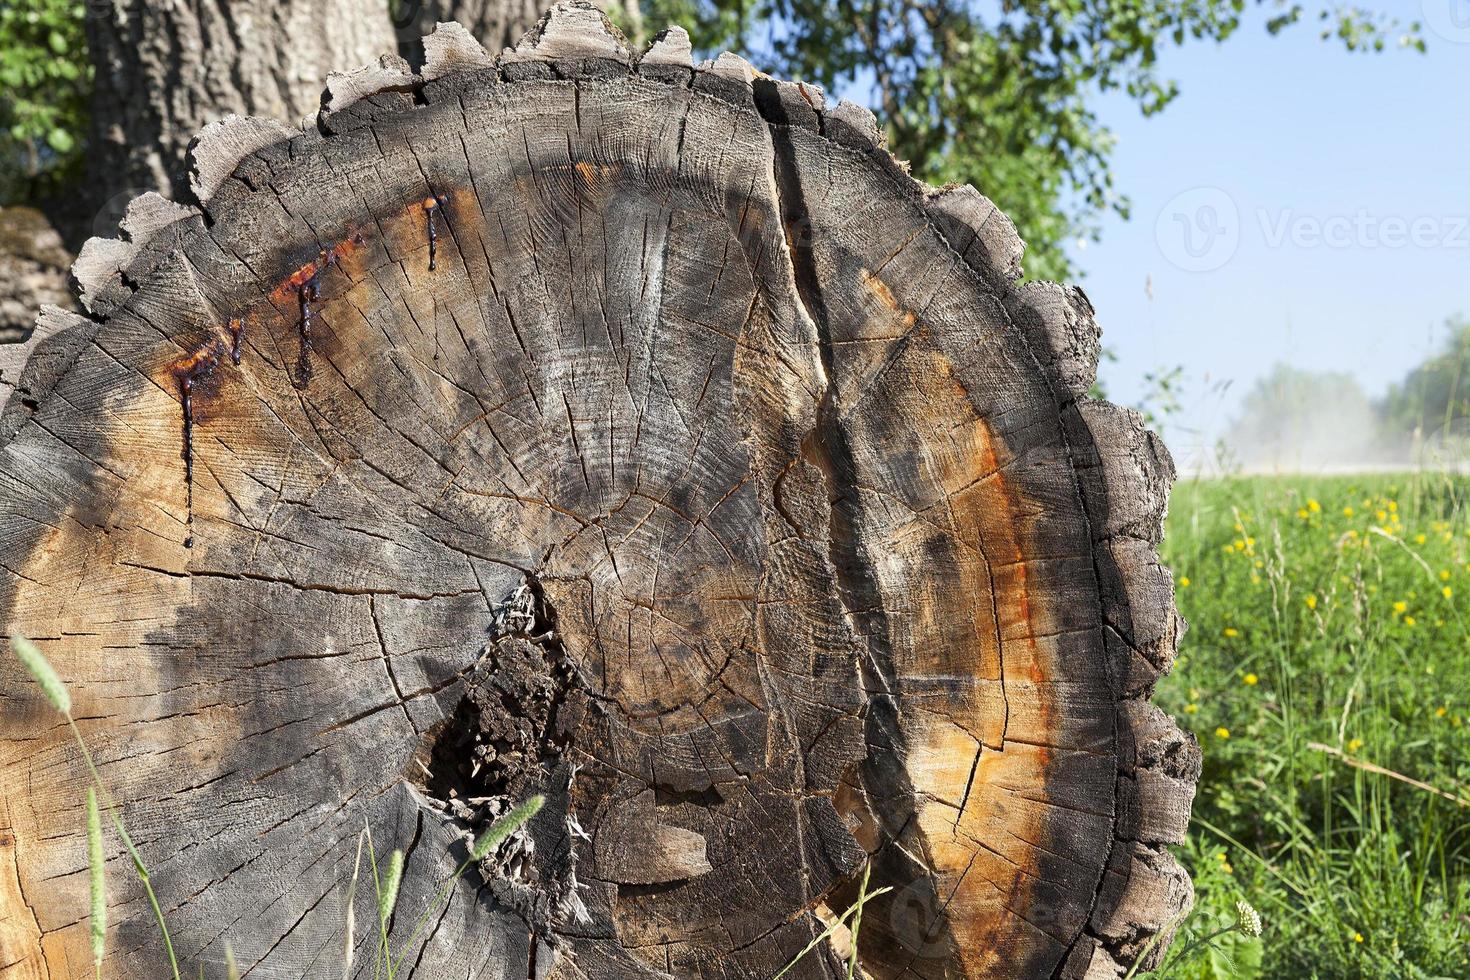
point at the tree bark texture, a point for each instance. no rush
(33, 264)
(496, 24)
(598, 426)
(165, 69)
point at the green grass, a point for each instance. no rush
(1329, 634)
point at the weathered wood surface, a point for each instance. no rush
(599, 426)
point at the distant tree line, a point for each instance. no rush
(1295, 418)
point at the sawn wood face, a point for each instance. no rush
(720, 477)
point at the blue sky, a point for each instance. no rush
(1328, 199)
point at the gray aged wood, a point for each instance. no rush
(637, 434)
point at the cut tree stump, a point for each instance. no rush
(596, 426)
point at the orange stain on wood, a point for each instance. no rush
(981, 872)
(884, 294)
(350, 247)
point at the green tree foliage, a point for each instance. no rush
(997, 92)
(990, 92)
(45, 82)
(1432, 403)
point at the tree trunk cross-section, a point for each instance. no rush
(597, 426)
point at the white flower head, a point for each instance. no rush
(1247, 919)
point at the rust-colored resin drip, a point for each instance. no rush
(237, 334)
(307, 284)
(306, 294)
(189, 373)
(431, 211)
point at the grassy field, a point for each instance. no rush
(1326, 674)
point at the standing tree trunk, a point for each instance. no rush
(165, 69)
(638, 435)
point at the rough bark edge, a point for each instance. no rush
(1124, 474)
(1123, 470)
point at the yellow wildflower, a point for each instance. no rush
(1444, 575)
(1231, 631)
(1239, 545)
(1382, 515)
(1357, 937)
(1191, 708)
(1311, 602)
(1347, 512)
(1441, 711)
(1354, 744)
(1447, 591)
(1401, 606)
(1302, 513)
(1393, 505)
(1420, 539)
(1184, 581)
(1313, 506)
(1251, 680)
(1222, 732)
(1410, 621)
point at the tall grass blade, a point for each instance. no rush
(232, 971)
(505, 826)
(483, 845)
(831, 929)
(387, 899)
(98, 880)
(349, 940)
(45, 675)
(857, 919)
(1153, 941)
(392, 878)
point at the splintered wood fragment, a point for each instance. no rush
(570, 31)
(220, 146)
(721, 484)
(670, 47)
(450, 48)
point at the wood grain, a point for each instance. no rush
(718, 481)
